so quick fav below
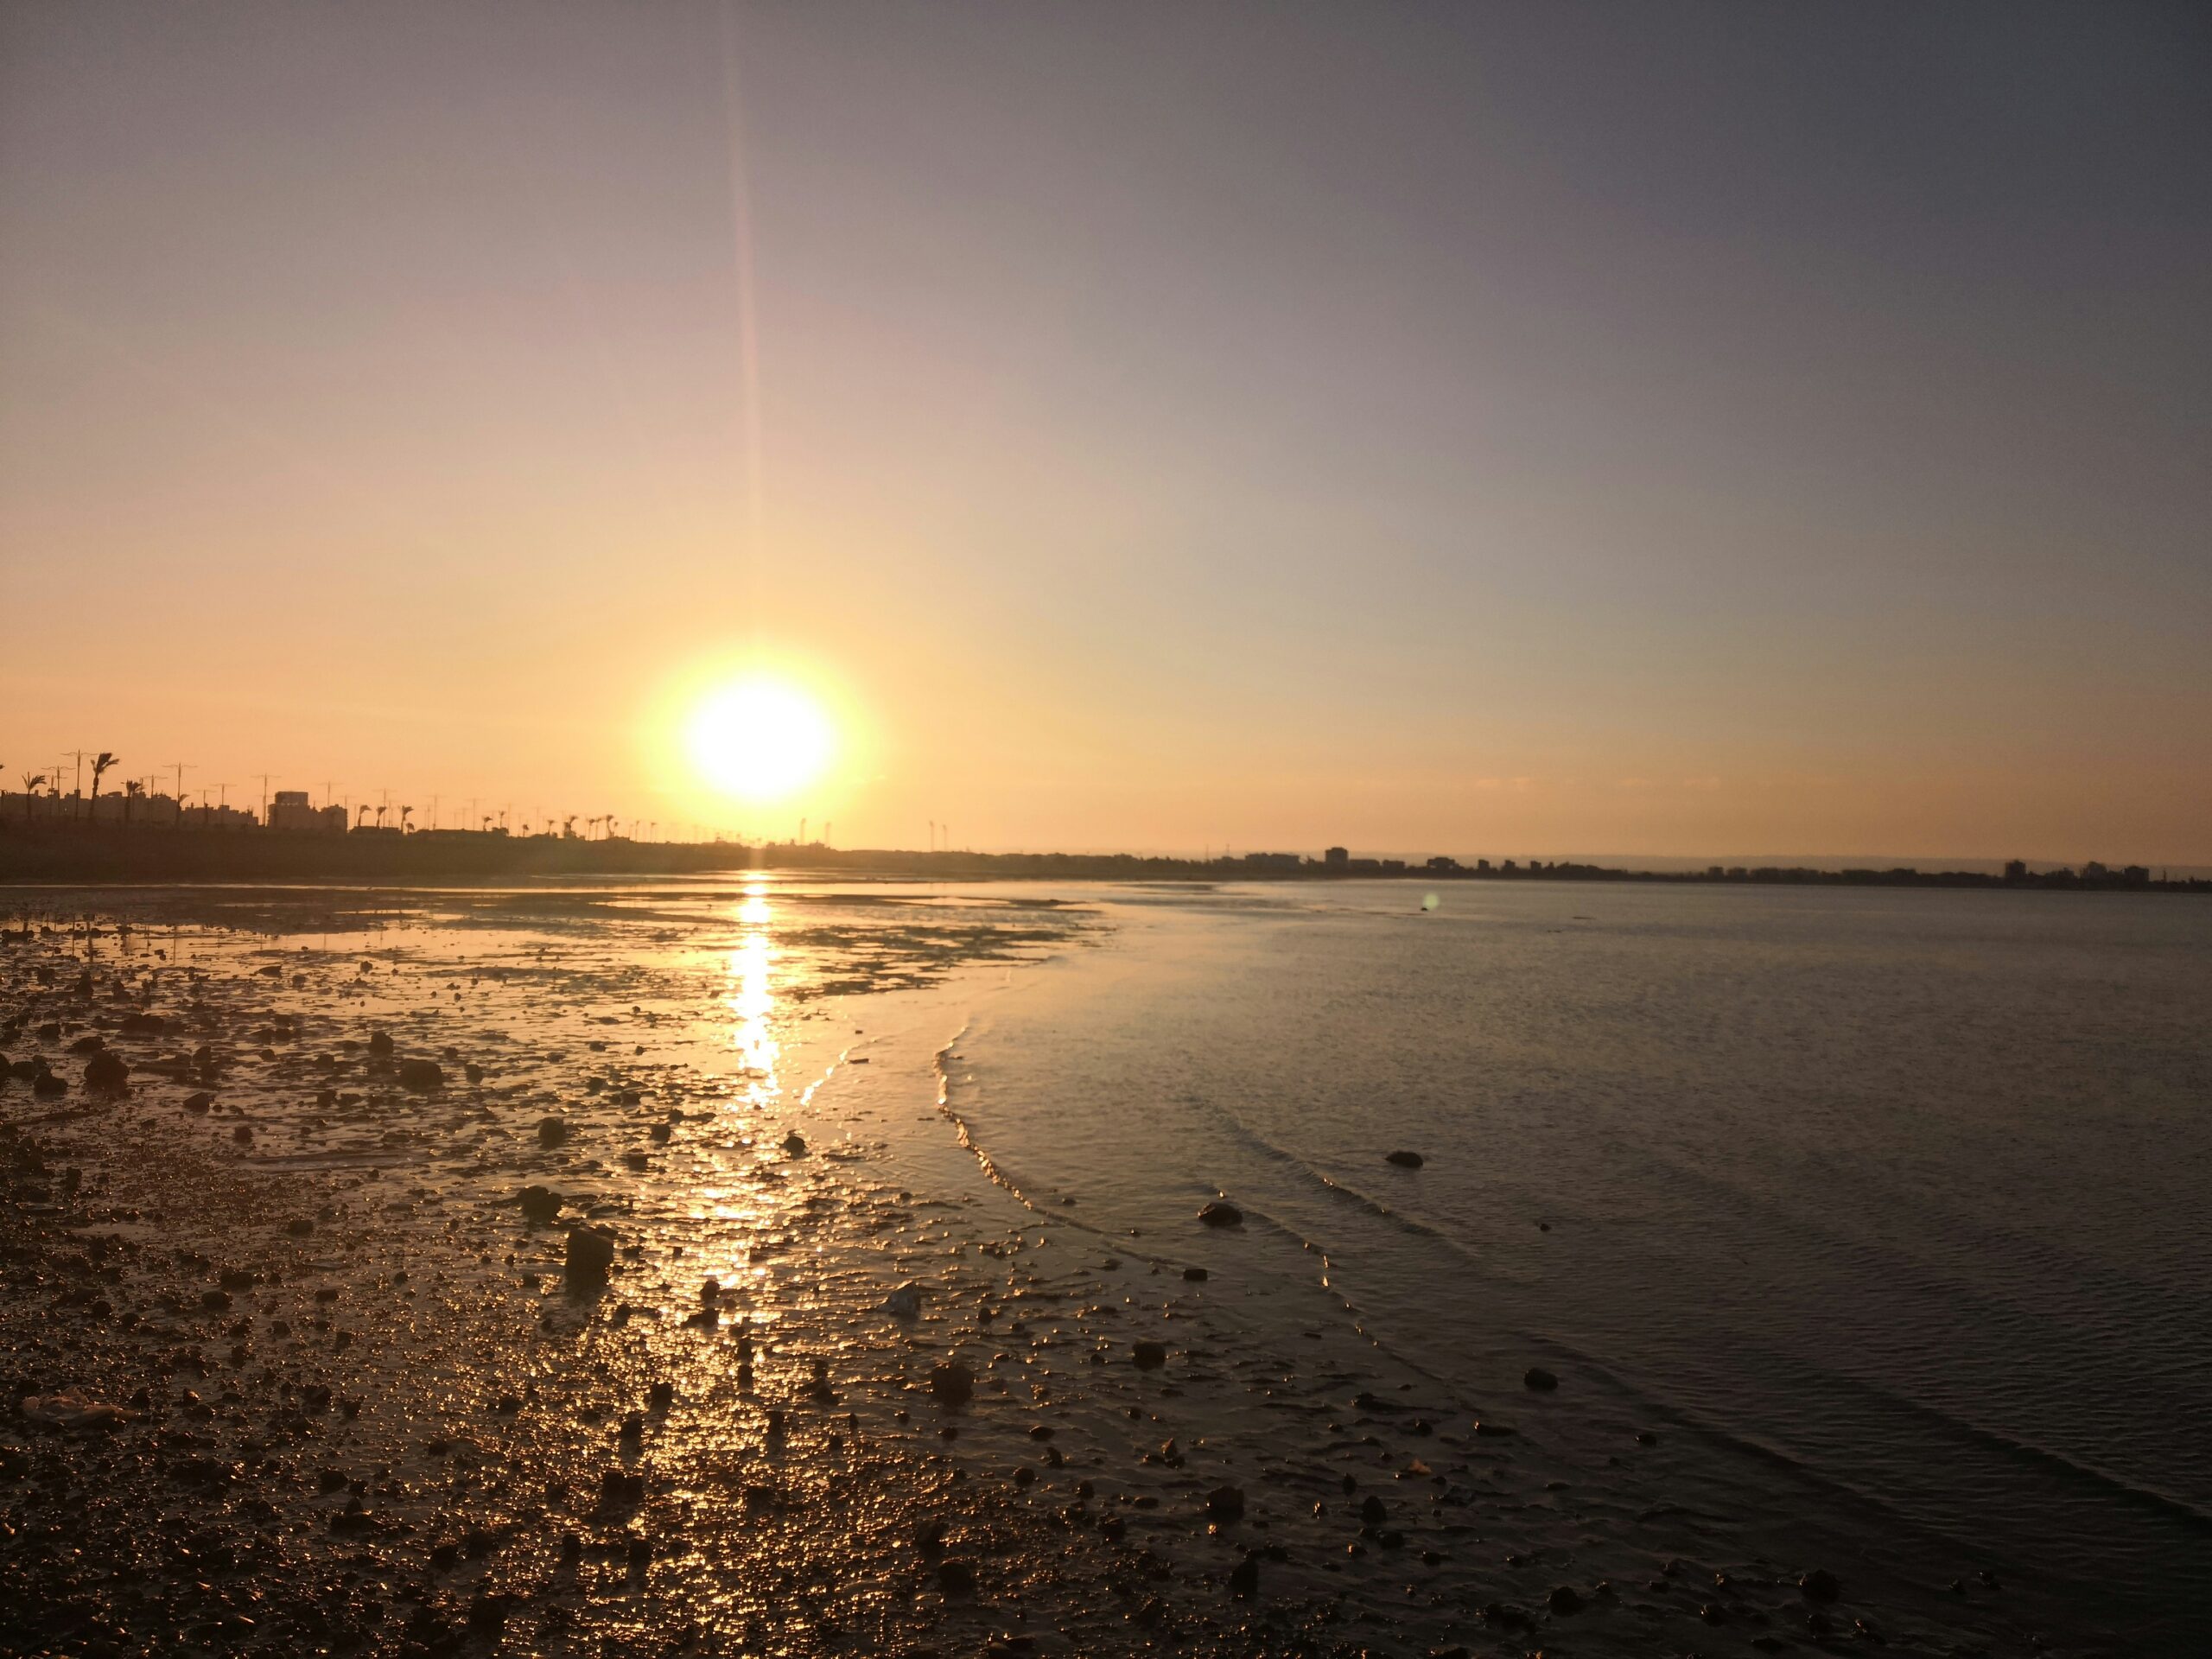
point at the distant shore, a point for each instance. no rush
(97, 853)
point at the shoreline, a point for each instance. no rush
(111, 855)
(1064, 1446)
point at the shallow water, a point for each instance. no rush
(1861, 1230)
(1888, 1207)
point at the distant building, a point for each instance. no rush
(291, 811)
(1336, 859)
(1273, 860)
(2016, 869)
(1444, 866)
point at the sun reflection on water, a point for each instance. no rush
(751, 998)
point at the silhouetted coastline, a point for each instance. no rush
(96, 853)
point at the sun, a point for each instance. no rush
(759, 740)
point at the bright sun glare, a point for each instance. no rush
(759, 740)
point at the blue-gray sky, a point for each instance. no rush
(1671, 428)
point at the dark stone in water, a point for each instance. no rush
(1819, 1584)
(1489, 1430)
(1565, 1600)
(380, 1043)
(1149, 1356)
(957, 1578)
(1220, 1213)
(952, 1383)
(200, 1102)
(795, 1144)
(1372, 1511)
(591, 1253)
(1196, 1276)
(422, 1074)
(1225, 1503)
(1244, 1580)
(1407, 1159)
(540, 1204)
(107, 1073)
(1540, 1379)
(552, 1130)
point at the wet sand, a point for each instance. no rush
(290, 1365)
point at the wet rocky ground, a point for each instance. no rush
(304, 1346)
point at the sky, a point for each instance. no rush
(1672, 429)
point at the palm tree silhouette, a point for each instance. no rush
(31, 781)
(361, 815)
(569, 827)
(101, 762)
(405, 813)
(132, 790)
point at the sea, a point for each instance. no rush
(1888, 1213)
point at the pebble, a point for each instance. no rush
(107, 1073)
(1407, 1159)
(1221, 1213)
(952, 1383)
(590, 1254)
(1149, 1356)
(422, 1075)
(904, 1302)
(1540, 1380)
(540, 1204)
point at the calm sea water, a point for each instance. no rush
(1894, 1209)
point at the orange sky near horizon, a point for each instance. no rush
(1143, 428)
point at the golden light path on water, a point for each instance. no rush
(731, 1217)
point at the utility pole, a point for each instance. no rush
(265, 798)
(932, 823)
(433, 811)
